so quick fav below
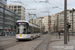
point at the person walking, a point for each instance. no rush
(59, 34)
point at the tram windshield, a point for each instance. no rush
(22, 28)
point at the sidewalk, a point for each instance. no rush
(58, 44)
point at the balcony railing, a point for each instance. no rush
(2, 2)
(1, 21)
(9, 19)
(1, 16)
(1, 27)
(9, 23)
(7, 28)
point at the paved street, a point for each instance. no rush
(45, 42)
(10, 43)
(58, 44)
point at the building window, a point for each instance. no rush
(19, 6)
(1, 9)
(15, 7)
(12, 6)
(19, 16)
(1, 15)
(19, 9)
(15, 10)
(19, 12)
(4, 1)
(9, 6)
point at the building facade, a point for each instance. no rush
(7, 17)
(53, 23)
(4, 1)
(40, 22)
(46, 23)
(61, 20)
(18, 9)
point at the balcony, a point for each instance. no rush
(1, 21)
(7, 28)
(9, 23)
(1, 27)
(2, 2)
(17, 17)
(1, 16)
(9, 18)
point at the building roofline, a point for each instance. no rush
(16, 5)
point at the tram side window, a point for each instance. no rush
(38, 30)
(30, 29)
(34, 30)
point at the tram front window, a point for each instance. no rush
(21, 29)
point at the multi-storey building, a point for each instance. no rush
(53, 23)
(7, 17)
(18, 9)
(47, 23)
(57, 21)
(61, 20)
(39, 21)
(4, 1)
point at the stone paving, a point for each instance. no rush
(58, 44)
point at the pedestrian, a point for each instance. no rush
(59, 34)
(12, 33)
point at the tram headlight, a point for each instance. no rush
(25, 35)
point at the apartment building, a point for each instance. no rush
(18, 9)
(53, 17)
(39, 21)
(69, 19)
(46, 21)
(7, 17)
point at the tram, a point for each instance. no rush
(26, 30)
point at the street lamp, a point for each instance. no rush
(65, 21)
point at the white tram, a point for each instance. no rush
(26, 30)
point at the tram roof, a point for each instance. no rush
(33, 25)
(22, 21)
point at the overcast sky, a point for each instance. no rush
(41, 7)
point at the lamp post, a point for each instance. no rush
(57, 25)
(72, 22)
(65, 21)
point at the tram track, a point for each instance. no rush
(44, 44)
(10, 45)
(6, 44)
(6, 40)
